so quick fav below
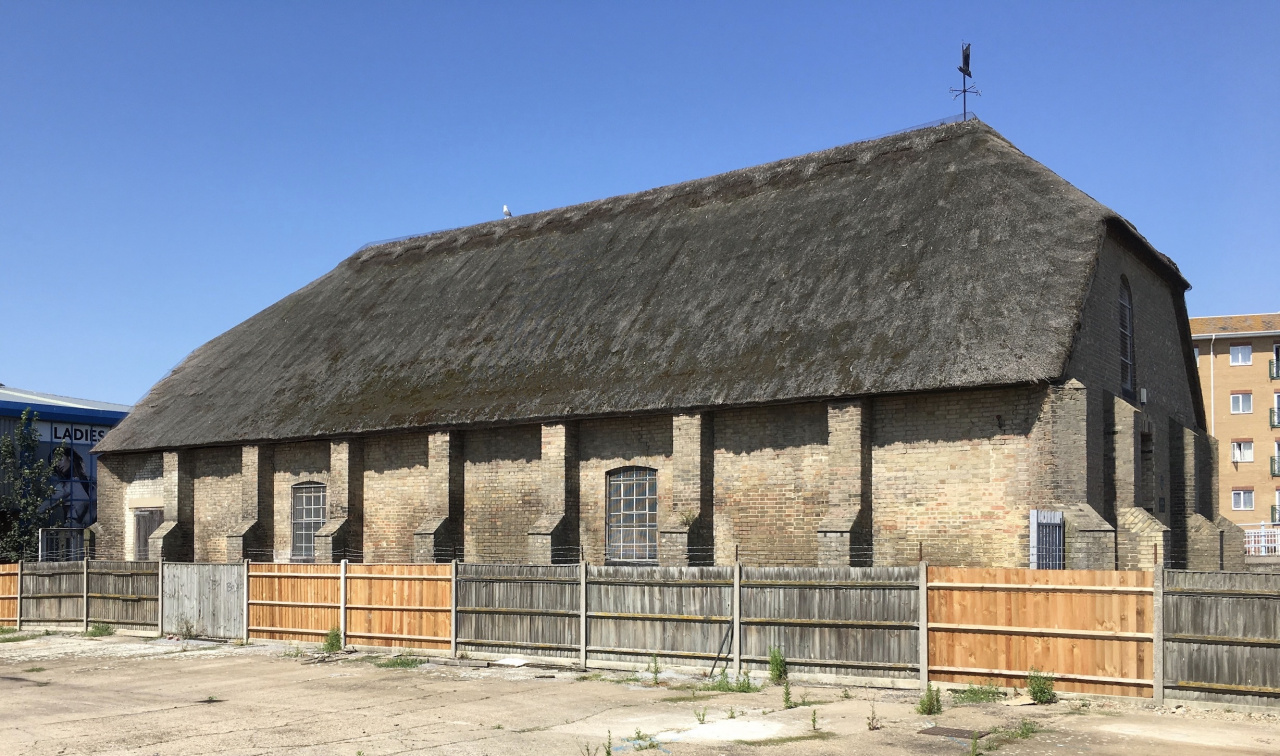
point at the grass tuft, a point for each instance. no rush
(722, 684)
(99, 630)
(977, 694)
(332, 641)
(930, 702)
(401, 662)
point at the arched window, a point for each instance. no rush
(1128, 376)
(631, 515)
(308, 517)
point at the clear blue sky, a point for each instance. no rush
(169, 169)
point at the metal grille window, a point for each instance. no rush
(631, 516)
(1127, 378)
(308, 517)
(1048, 542)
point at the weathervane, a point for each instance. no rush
(965, 88)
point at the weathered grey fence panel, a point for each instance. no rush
(837, 620)
(681, 614)
(1222, 637)
(205, 600)
(124, 594)
(53, 593)
(513, 609)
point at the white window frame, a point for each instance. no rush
(1241, 451)
(1239, 500)
(1196, 349)
(1242, 404)
(1242, 355)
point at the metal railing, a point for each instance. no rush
(1274, 369)
(1264, 541)
(1275, 417)
(1275, 467)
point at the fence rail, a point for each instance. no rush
(9, 594)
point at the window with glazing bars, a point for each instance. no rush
(308, 517)
(1127, 378)
(631, 515)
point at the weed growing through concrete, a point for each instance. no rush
(732, 714)
(654, 668)
(873, 722)
(187, 629)
(722, 684)
(586, 750)
(700, 715)
(99, 630)
(644, 741)
(401, 662)
(813, 719)
(15, 638)
(34, 669)
(293, 653)
(1040, 687)
(332, 641)
(777, 665)
(844, 693)
(930, 702)
(977, 694)
(787, 703)
(1025, 729)
(6, 630)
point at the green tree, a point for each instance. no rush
(26, 486)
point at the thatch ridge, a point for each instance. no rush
(935, 259)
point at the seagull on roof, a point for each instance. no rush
(506, 212)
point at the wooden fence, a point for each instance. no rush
(204, 600)
(1091, 629)
(123, 594)
(1222, 637)
(370, 604)
(8, 594)
(53, 594)
(1205, 636)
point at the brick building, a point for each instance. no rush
(1239, 360)
(890, 349)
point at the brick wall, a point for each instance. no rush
(395, 490)
(502, 485)
(305, 462)
(605, 445)
(216, 499)
(125, 481)
(770, 483)
(951, 476)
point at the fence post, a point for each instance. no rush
(924, 625)
(246, 600)
(160, 595)
(1157, 637)
(453, 608)
(342, 601)
(582, 613)
(18, 618)
(737, 619)
(85, 592)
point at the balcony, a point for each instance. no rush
(1275, 467)
(1273, 368)
(1275, 417)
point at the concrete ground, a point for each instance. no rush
(64, 695)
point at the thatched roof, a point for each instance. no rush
(937, 258)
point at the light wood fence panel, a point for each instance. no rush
(1222, 637)
(518, 609)
(296, 602)
(405, 605)
(1091, 629)
(682, 614)
(53, 593)
(835, 620)
(204, 600)
(8, 594)
(124, 595)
